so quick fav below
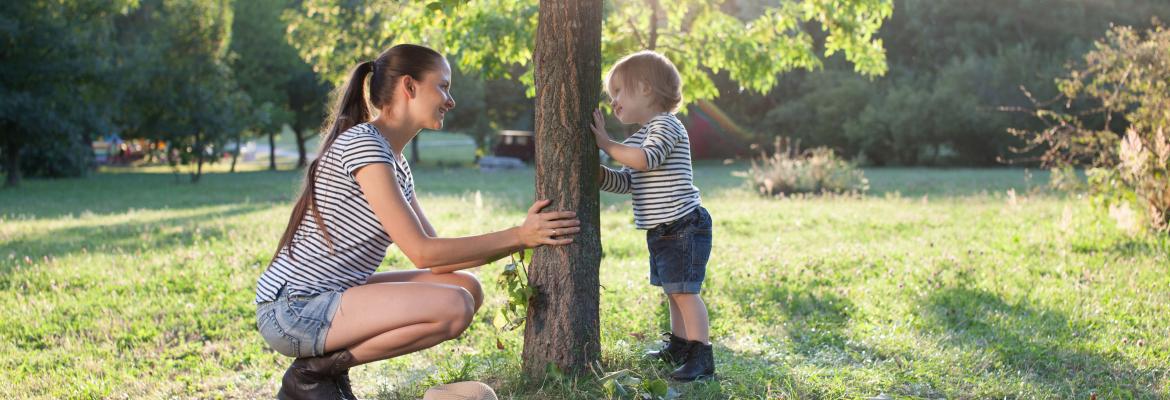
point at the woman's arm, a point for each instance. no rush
(399, 220)
(422, 217)
(430, 230)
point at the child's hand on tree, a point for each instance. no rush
(598, 129)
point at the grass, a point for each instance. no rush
(936, 285)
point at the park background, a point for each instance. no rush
(949, 199)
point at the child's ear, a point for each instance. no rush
(644, 88)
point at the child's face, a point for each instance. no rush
(632, 105)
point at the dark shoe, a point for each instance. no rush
(674, 352)
(316, 378)
(700, 363)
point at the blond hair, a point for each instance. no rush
(652, 69)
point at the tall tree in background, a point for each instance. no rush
(283, 88)
(55, 71)
(183, 91)
(562, 326)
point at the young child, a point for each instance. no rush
(645, 89)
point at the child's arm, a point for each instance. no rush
(630, 156)
(613, 181)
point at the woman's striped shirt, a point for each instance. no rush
(359, 242)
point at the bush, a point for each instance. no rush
(791, 171)
(1125, 79)
(63, 159)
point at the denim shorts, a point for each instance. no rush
(296, 325)
(679, 251)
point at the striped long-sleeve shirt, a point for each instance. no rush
(666, 190)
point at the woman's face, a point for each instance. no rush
(432, 97)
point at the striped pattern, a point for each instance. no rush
(359, 242)
(666, 191)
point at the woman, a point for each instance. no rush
(319, 300)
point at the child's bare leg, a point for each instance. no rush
(694, 317)
(677, 327)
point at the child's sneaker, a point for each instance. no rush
(675, 351)
(700, 363)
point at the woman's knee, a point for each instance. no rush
(458, 311)
(471, 283)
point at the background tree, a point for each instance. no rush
(283, 88)
(953, 64)
(55, 71)
(183, 92)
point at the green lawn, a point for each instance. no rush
(936, 285)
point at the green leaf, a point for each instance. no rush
(656, 387)
(500, 321)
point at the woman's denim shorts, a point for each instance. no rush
(296, 325)
(679, 251)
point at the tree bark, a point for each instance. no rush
(236, 153)
(198, 158)
(271, 151)
(12, 164)
(563, 321)
(302, 157)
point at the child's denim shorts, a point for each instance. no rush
(296, 325)
(679, 251)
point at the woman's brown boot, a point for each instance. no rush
(316, 378)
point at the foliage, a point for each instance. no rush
(952, 65)
(283, 89)
(514, 280)
(55, 71)
(1125, 84)
(493, 37)
(791, 171)
(182, 91)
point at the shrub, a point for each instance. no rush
(790, 171)
(1126, 82)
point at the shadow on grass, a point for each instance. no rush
(814, 319)
(1043, 346)
(108, 193)
(157, 235)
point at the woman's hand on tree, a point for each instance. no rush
(552, 228)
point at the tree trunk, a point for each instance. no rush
(236, 154)
(12, 164)
(198, 158)
(562, 327)
(302, 157)
(271, 151)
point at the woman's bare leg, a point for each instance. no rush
(462, 279)
(382, 320)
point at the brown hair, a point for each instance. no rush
(651, 69)
(351, 109)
